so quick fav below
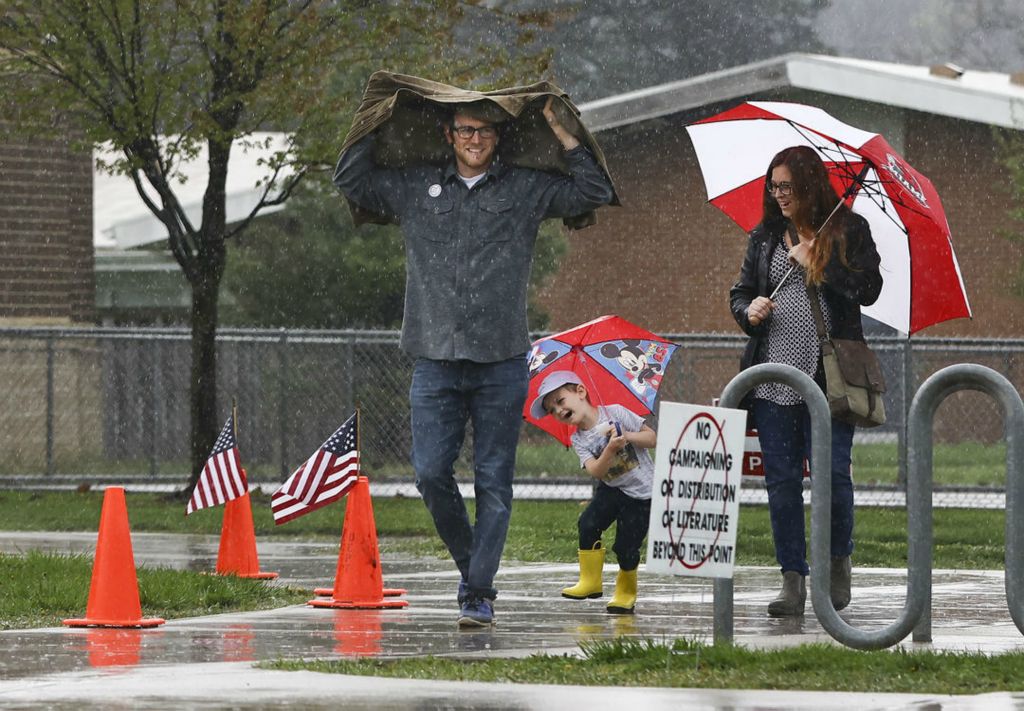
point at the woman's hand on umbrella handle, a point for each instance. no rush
(759, 310)
(567, 140)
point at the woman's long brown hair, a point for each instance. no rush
(816, 198)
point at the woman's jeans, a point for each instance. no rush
(785, 435)
(631, 518)
(444, 396)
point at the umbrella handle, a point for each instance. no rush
(782, 281)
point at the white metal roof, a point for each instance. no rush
(983, 97)
(121, 220)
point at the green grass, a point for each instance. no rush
(80, 511)
(41, 589)
(688, 664)
(547, 460)
(535, 458)
(539, 531)
(965, 464)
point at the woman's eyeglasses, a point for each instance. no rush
(466, 132)
(783, 189)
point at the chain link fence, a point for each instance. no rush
(85, 405)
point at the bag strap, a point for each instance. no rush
(819, 318)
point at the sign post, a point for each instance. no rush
(695, 500)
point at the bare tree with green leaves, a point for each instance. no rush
(165, 81)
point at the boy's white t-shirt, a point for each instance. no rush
(634, 472)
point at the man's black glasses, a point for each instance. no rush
(466, 132)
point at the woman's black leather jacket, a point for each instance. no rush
(846, 287)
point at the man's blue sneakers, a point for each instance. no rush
(476, 612)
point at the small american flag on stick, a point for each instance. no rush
(323, 478)
(222, 478)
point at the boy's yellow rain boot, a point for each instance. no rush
(591, 566)
(624, 599)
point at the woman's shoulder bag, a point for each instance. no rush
(853, 377)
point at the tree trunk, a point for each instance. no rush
(211, 258)
(203, 388)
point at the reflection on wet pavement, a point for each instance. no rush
(969, 613)
(113, 647)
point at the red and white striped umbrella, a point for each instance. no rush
(922, 283)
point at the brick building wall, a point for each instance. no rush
(46, 251)
(666, 259)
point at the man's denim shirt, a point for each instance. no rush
(468, 252)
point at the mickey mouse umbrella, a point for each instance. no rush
(922, 283)
(618, 362)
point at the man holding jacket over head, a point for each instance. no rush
(470, 227)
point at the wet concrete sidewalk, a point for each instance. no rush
(207, 662)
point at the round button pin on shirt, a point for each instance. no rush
(434, 190)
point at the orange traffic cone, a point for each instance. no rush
(237, 555)
(114, 591)
(358, 582)
(386, 592)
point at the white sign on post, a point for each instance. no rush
(698, 465)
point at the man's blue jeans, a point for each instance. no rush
(444, 396)
(785, 435)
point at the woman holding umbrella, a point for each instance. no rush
(809, 244)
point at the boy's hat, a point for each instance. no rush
(550, 384)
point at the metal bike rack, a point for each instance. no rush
(919, 522)
(935, 389)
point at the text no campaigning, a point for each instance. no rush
(700, 459)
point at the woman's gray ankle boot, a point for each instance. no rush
(790, 602)
(840, 579)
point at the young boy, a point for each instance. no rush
(612, 444)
